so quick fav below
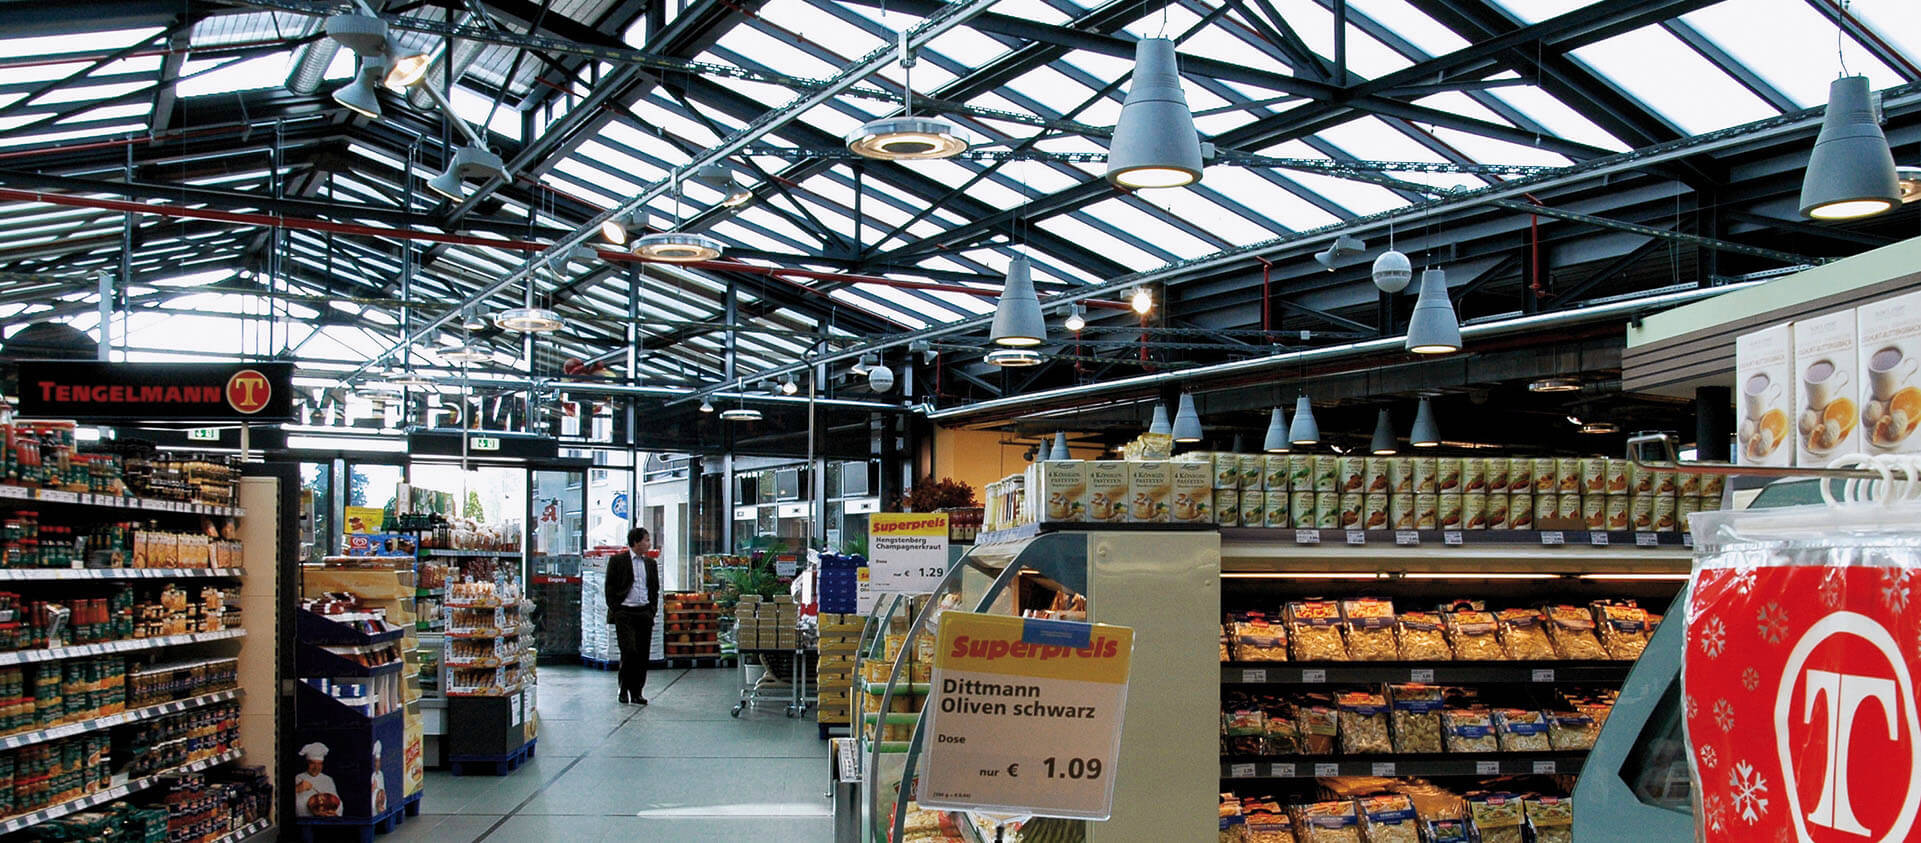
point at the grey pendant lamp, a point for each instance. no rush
(1305, 430)
(1155, 144)
(1187, 422)
(1060, 451)
(1426, 434)
(1277, 441)
(1017, 317)
(1384, 441)
(1160, 423)
(1433, 329)
(1851, 171)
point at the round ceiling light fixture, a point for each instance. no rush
(1599, 427)
(1155, 143)
(907, 139)
(465, 353)
(529, 320)
(678, 247)
(1554, 384)
(1014, 357)
(740, 414)
(408, 378)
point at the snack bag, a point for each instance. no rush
(1446, 831)
(1364, 719)
(1417, 717)
(1328, 822)
(1571, 730)
(1283, 734)
(1233, 829)
(1370, 629)
(1270, 827)
(1497, 817)
(1318, 725)
(1572, 628)
(1550, 818)
(1625, 629)
(1524, 636)
(1390, 819)
(1472, 634)
(1314, 630)
(1469, 730)
(1256, 640)
(1421, 638)
(1521, 730)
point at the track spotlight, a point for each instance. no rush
(1344, 247)
(360, 95)
(721, 179)
(1076, 317)
(469, 162)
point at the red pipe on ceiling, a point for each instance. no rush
(303, 224)
(270, 220)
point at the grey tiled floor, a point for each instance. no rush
(679, 769)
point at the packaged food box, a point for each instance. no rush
(1400, 475)
(1448, 473)
(1594, 511)
(1375, 480)
(1314, 630)
(1497, 511)
(1425, 482)
(1617, 476)
(1469, 730)
(1473, 636)
(1327, 473)
(1063, 487)
(1427, 508)
(1473, 511)
(1547, 475)
(1417, 717)
(1421, 638)
(1227, 507)
(1364, 729)
(1400, 511)
(1351, 475)
(1193, 495)
(1523, 634)
(1572, 629)
(1254, 509)
(1298, 512)
(1520, 475)
(1249, 471)
(1664, 513)
(1619, 512)
(1474, 475)
(1449, 513)
(1370, 629)
(1374, 515)
(1497, 476)
(1352, 504)
(1300, 472)
(1274, 472)
(1327, 510)
(1108, 491)
(1151, 485)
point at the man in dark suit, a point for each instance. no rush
(633, 596)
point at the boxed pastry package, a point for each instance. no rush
(1888, 353)
(1521, 730)
(1250, 471)
(1107, 491)
(1193, 495)
(1064, 489)
(1550, 819)
(1298, 513)
(1227, 508)
(1625, 628)
(1227, 469)
(1318, 726)
(1469, 730)
(1151, 483)
(1571, 730)
(1257, 640)
(1327, 822)
(1498, 817)
(1764, 394)
(1389, 818)
(1421, 638)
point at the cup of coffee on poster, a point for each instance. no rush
(1890, 339)
(1829, 383)
(1763, 377)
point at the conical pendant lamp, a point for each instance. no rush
(1433, 329)
(1160, 423)
(1187, 422)
(1850, 172)
(1277, 441)
(1060, 451)
(1426, 434)
(1017, 317)
(1384, 442)
(1305, 430)
(1155, 144)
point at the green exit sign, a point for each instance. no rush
(484, 443)
(203, 434)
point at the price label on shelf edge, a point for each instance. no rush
(1241, 771)
(1357, 537)
(1025, 716)
(1421, 675)
(1407, 538)
(1384, 769)
(1254, 677)
(1324, 770)
(1598, 538)
(1646, 540)
(1281, 771)
(1313, 676)
(1451, 537)
(1307, 537)
(1542, 674)
(1553, 537)
(1487, 768)
(1544, 768)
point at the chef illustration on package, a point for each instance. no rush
(314, 792)
(380, 787)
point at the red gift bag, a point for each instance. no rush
(1799, 691)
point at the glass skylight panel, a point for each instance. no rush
(586, 176)
(1035, 10)
(13, 139)
(868, 305)
(734, 232)
(78, 42)
(81, 90)
(1894, 21)
(634, 173)
(209, 77)
(1356, 197)
(1557, 117)
(1535, 11)
(1227, 224)
(1224, 43)
(768, 51)
(1050, 88)
(474, 108)
(1646, 63)
(1109, 246)
(1771, 37)
(1425, 33)
(967, 46)
(1488, 150)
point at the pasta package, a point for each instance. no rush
(1446, 831)
(1370, 629)
(1328, 822)
(1572, 628)
(1473, 636)
(1624, 629)
(1256, 640)
(1498, 817)
(1283, 734)
(1571, 730)
(1233, 829)
(1390, 818)
(1524, 635)
(1416, 717)
(1421, 637)
(1469, 730)
(1521, 730)
(1550, 818)
(1318, 726)
(1314, 630)
(1270, 828)
(1364, 723)
(1245, 729)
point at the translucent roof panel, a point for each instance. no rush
(1771, 38)
(1646, 63)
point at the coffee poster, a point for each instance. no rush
(1888, 354)
(1763, 363)
(1828, 422)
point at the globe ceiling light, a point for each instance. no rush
(1384, 442)
(1014, 357)
(1187, 422)
(529, 320)
(719, 178)
(1554, 384)
(907, 139)
(1343, 247)
(1277, 441)
(678, 247)
(1392, 271)
(469, 162)
(1433, 329)
(1305, 430)
(1851, 170)
(1076, 318)
(1160, 424)
(1017, 316)
(360, 95)
(1060, 451)
(1155, 144)
(787, 385)
(1425, 434)
(743, 414)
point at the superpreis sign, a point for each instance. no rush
(106, 392)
